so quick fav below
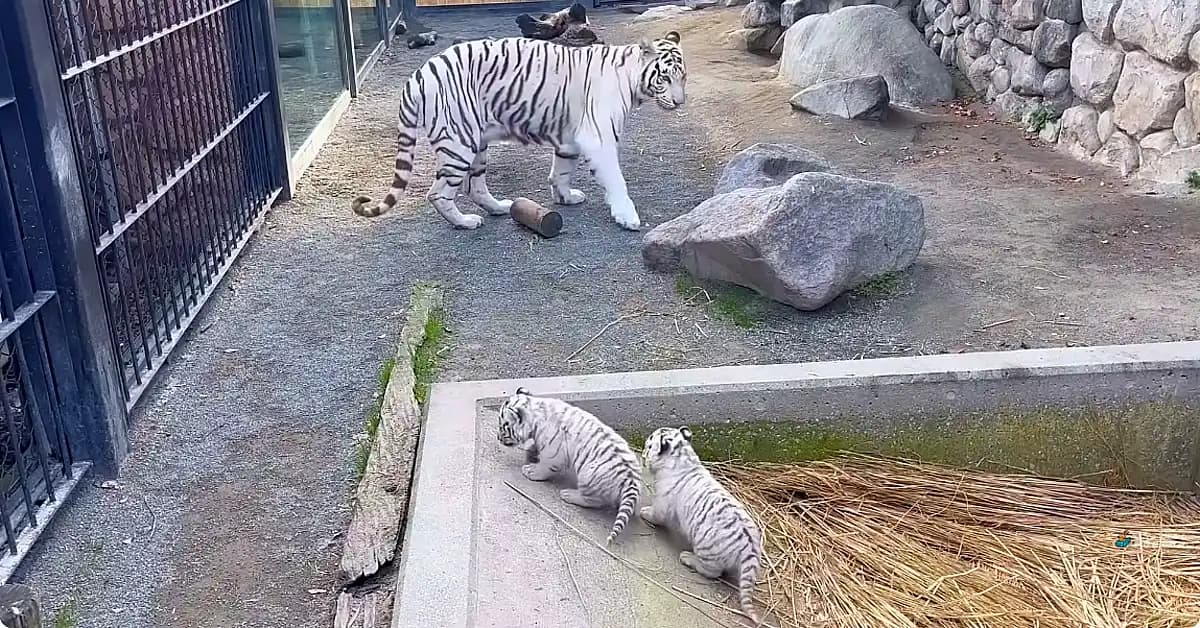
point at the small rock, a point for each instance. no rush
(960, 7)
(1172, 167)
(1056, 82)
(1095, 69)
(985, 32)
(1020, 39)
(945, 22)
(1099, 16)
(1027, 74)
(1049, 133)
(1013, 107)
(735, 3)
(936, 42)
(980, 73)
(793, 11)
(998, 51)
(1077, 131)
(663, 12)
(949, 48)
(1025, 14)
(861, 98)
(1148, 95)
(933, 8)
(961, 23)
(1194, 49)
(1052, 43)
(761, 39)
(418, 40)
(760, 13)
(1070, 11)
(1104, 125)
(1185, 129)
(697, 5)
(972, 46)
(1191, 95)
(1158, 143)
(1119, 152)
(1001, 80)
(765, 165)
(1163, 28)
(991, 12)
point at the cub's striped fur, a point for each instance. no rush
(560, 439)
(690, 501)
(575, 100)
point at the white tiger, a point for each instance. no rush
(691, 502)
(530, 92)
(560, 439)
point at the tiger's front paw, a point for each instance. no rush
(469, 221)
(535, 473)
(573, 197)
(627, 217)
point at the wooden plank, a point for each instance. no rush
(19, 607)
(373, 610)
(381, 501)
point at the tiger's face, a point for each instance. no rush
(665, 77)
(666, 444)
(514, 429)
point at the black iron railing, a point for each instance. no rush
(178, 149)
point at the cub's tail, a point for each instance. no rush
(411, 110)
(747, 579)
(629, 500)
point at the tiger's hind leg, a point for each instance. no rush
(701, 566)
(477, 189)
(566, 157)
(581, 499)
(454, 164)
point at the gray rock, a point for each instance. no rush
(766, 165)
(1099, 16)
(961, 23)
(973, 46)
(991, 12)
(1078, 131)
(419, 40)
(1027, 74)
(980, 73)
(945, 22)
(985, 32)
(1148, 95)
(907, 9)
(919, 18)
(663, 12)
(803, 243)
(1070, 11)
(1194, 49)
(933, 8)
(865, 40)
(960, 7)
(962, 59)
(1095, 69)
(1172, 167)
(760, 39)
(1020, 39)
(1049, 133)
(1104, 125)
(861, 98)
(1052, 43)
(1157, 144)
(998, 51)
(1001, 80)
(1163, 28)
(1025, 14)
(760, 13)
(1058, 103)
(1119, 152)
(1191, 95)
(1013, 107)
(949, 48)
(734, 3)
(930, 31)
(793, 11)
(697, 5)
(1056, 82)
(1185, 129)
(936, 42)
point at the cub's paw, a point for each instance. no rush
(469, 221)
(573, 197)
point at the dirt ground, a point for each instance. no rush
(238, 485)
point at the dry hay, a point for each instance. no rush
(864, 542)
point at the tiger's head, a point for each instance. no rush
(514, 426)
(668, 446)
(664, 74)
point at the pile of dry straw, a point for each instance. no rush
(863, 542)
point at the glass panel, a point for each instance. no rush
(394, 8)
(364, 19)
(310, 75)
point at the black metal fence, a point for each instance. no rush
(179, 153)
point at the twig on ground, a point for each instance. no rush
(997, 324)
(1066, 323)
(1047, 270)
(587, 613)
(610, 325)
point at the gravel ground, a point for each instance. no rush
(238, 483)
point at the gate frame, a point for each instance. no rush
(95, 415)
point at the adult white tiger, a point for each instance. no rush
(530, 92)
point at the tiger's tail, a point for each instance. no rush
(411, 109)
(747, 578)
(629, 500)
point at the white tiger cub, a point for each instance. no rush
(560, 439)
(529, 92)
(691, 502)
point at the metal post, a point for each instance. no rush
(345, 32)
(97, 422)
(269, 67)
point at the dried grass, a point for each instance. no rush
(867, 542)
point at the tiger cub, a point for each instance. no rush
(690, 501)
(560, 439)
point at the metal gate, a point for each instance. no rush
(178, 140)
(35, 362)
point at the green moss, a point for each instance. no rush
(371, 423)
(1153, 445)
(726, 302)
(885, 285)
(1193, 180)
(67, 616)
(1039, 118)
(425, 359)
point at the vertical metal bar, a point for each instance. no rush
(345, 38)
(7, 309)
(279, 140)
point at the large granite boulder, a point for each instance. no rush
(861, 98)
(765, 165)
(1163, 28)
(802, 243)
(1148, 95)
(1095, 69)
(865, 40)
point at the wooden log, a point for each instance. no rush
(373, 610)
(544, 222)
(19, 607)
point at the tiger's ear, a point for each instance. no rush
(672, 36)
(648, 46)
(686, 433)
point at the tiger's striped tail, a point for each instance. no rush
(629, 500)
(747, 578)
(411, 106)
